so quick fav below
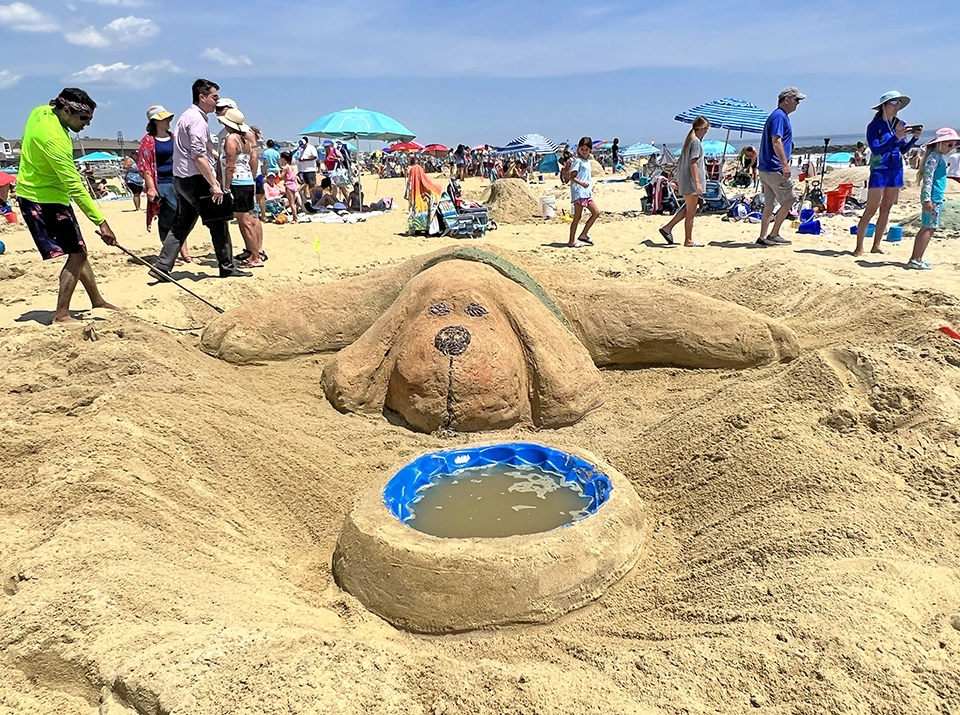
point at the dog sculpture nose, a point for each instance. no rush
(452, 340)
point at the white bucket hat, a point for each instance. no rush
(888, 96)
(233, 118)
(226, 102)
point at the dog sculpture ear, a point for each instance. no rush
(564, 382)
(318, 319)
(357, 378)
(660, 324)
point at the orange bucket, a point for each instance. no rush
(835, 201)
(10, 216)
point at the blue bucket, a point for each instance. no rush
(895, 233)
(806, 215)
(402, 489)
(871, 229)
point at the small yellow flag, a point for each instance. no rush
(316, 244)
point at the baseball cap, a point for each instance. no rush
(158, 112)
(225, 102)
(791, 92)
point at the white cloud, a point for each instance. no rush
(215, 54)
(120, 74)
(87, 37)
(21, 17)
(8, 79)
(122, 31)
(131, 29)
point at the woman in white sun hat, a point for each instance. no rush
(933, 185)
(888, 141)
(155, 161)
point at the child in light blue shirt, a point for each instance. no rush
(933, 186)
(581, 194)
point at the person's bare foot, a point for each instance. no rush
(876, 249)
(858, 252)
(105, 304)
(65, 319)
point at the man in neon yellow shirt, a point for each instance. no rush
(46, 182)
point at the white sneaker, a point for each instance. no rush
(918, 265)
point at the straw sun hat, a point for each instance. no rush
(233, 118)
(889, 96)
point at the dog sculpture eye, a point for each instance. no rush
(475, 310)
(439, 309)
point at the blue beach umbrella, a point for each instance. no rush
(360, 124)
(639, 149)
(714, 148)
(98, 156)
(840, 157)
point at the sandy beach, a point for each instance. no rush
(167, 520)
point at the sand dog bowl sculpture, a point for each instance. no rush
(467, 339)
(432, 584)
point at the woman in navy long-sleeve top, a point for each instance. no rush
(887, 139)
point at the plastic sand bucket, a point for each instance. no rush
(806, 215)
(835, 202)
(11, 216)
(871, 228)
(810, 227)
(548, 206)
(895, 233)
(845, 189)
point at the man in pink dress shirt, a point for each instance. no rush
(196, 183)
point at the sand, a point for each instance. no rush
(167, 520)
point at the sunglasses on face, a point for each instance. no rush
(894, 102)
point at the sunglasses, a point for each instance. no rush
(895, 102)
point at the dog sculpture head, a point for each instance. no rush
(463, 347)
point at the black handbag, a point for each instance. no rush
(211, 212)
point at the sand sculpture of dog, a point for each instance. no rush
(468, 340)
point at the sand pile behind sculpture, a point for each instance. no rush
(511, 201)
(949, 221)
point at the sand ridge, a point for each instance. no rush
(167, 520)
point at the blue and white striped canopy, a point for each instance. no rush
(639, 149)
(521, 148)
(728, 113)
(540, 143)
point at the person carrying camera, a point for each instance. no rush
(887, 139)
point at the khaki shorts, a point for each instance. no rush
(777, 189)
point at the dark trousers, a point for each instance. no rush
(189, 191)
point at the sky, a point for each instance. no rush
(475, 71)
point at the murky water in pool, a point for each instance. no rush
(498, 500)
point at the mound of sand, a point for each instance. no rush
(511, 201)
(949, 221)
(855, 175)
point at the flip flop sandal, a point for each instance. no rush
(693, 245)
(667, 236)
(587, 240)
(576, 244)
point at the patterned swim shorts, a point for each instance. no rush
(583, 202)
(931, 219)
(54, 228)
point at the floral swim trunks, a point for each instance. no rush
(931, 219)
(54, 228)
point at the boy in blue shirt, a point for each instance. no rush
(774, 165)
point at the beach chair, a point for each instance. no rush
(660, 198)
(714, 199)
(477, 213)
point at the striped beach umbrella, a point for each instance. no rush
(734, 115)
(540, 144)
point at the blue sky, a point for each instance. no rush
(470, 71)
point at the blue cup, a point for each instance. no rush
(895, 233)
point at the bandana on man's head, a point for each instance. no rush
(75, 107)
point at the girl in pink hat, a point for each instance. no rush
(933, 183)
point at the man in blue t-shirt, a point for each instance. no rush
(774, 165)
(271, 159)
